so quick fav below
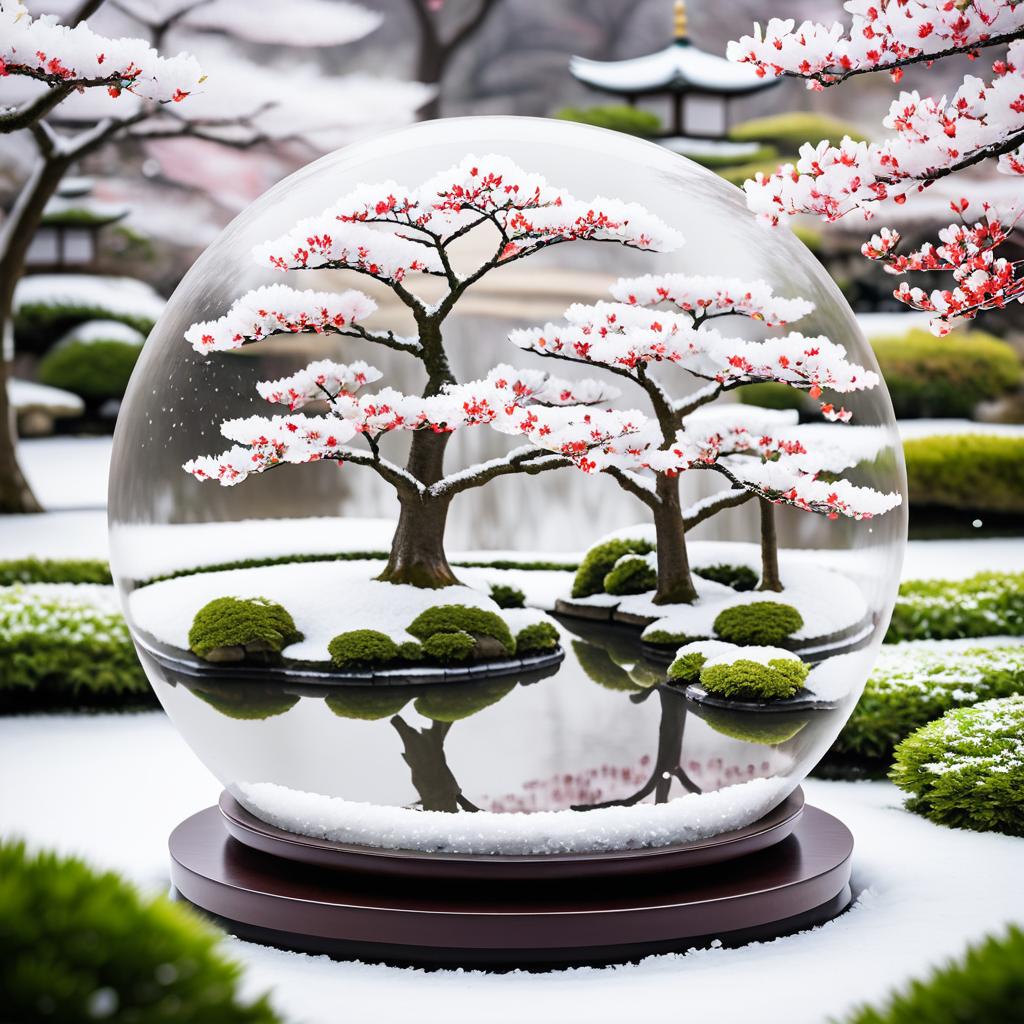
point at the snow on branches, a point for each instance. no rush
(320, 380)
(43, 49)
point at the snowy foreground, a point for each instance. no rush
(111, 787)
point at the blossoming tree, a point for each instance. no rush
(934, 139)
(396, 235)
(665, 319)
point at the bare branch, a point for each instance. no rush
(701, 510)
(527, 460)
(635, 485)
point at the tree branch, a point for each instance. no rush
(635, 485)
(701, 510)
(468, 27)
(526, 459)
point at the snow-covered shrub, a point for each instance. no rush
(54, 570)
(986, 604)
(78, 945)
(978, 472)
(538, 636)
(460, 700)
(367, 703)
(233, 629)
(690, 659)
(966, 769)
(362, 648)
(761, 673)
(94, 360)
(66, 645)
(761, 622)
(739, 577)
(504, 595)
(632, 574)
(949, 376)
(986, 984)
(601, 559)
(246, 703)
(911, 687)
(449, 648)
(478, 623)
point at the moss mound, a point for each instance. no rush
(461, 618)
(367, 703)
(54, 570)
(739, 577)
(449, 648)
(361, 649)
(455, 701)
(747, 679)
(600, 560)
(536, 638)
(966, 769)
(94, 370)
(601, 669)
(760, 622)
(234, 628)
(77, 945)
(246, 702)
(506, 596)
(686, 668)
(753, 727)
(630, 575)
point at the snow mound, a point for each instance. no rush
(115, 296)
(26, 394)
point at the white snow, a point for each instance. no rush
(687, 818)
(762, 655)
(27, 394)
(117, 296)
(912, 429)
(884, 325)
(55, 535)
(922, 898)
(103, 330)
(67, 472)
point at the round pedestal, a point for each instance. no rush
(800, 881)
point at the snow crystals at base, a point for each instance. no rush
(685, 819)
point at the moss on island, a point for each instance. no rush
(237, 629)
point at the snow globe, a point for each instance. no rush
(497, 503)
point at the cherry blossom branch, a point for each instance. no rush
(707, 507)
(634, 484)
(527, 459)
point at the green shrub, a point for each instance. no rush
(664, 636)
(58, 650)
(739, 577)
(255, 625)
(246, 702)
(449, 648)
(772, 395)
(600, 560)
(362, 648)
(77, 944)
(54, 570)
(978, 472)
(506, 596)
(599, 667)
(367, 703)
(537, 637)
(760, 622)
(747, 679)
(986, 604)
(410, 650)
(618, 118)
(686, 668)
(788, 132)
(910, 689)
(717, 161)
(631, 575)
(451, 702)
(966, 769)
(95, 370)
(753, 726)
(985, 986)
(929, 376)
(461, 618)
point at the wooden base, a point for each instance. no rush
(799, 882)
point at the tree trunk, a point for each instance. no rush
(769, 548)
(430, 70)
(675, 584)
(423, 752)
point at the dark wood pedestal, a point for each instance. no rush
(368, 910)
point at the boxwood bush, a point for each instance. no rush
(78, 944)
(986, 604)
(536, 637)
(601, 559)
(362, 649)
(449, 648)
(985, 985)
(94, 367)
(632, 574)
(233, 628)
(950, 376)
(966, 769)
(790, 131)
(739, 577)
(54, 570)
(504, 595)
(616, 117)
(460, 618)
(977, 472)
(760, 622)
(750, 679)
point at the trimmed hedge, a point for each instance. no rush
(250, 626)
(600, 560)
(77, 944)
(631, 575)
(94, 370)
(460, 618)
(977, 472)
(966, 769)
(362, 648)
(616, 117)
(54, 570)
(745, 678)
(986, 604)
(907, 690)
(788, 132)
(504, 595)
(984, 986)
(537, 637)
(760, 622)
(949, 376)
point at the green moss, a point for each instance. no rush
(506, 596)
(986, 604)
(788, 132)
(686, 668)
(367, 703)
(977, 472)
(601, 669)
(664, 636)
(760, 622)
(616, 117)
(78, 944)
(536, 638)
(739, 577)
(772, 395)
(362, 649)
(449, 648)
(753, 726)
(966, 769)
(54, 570)
(260, 626)
(984, 986)
(631, 575)
(461, 618)
(94, 370)
(451, 702)
(410, 650)
(750, 680)
(929, 376)
(246, 702)
(600, 560)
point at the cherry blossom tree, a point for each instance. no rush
(935, 138)
(397, 235)
(666, 319)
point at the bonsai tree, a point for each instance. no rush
(395, 235)
(665, 319)
(981, 125)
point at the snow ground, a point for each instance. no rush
(111, 787)
(67, 472)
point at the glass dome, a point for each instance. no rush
(580, 377)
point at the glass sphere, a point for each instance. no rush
(600, 751)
